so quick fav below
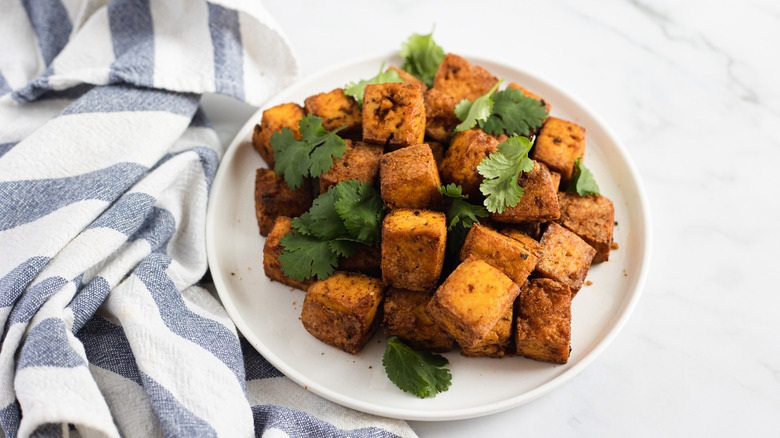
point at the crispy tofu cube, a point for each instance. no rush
(500, 251)
(393, 114)
(590, 217)
(409, 179)
(272, 249)
(367, 260)
(565, 257)
(273, 198)
(539, 201)
(461, 79)
(413, 243)
(404, 316)
(408, 78)
(520, 233)
(360, 161)
(497, 342)
(558, 145)
(471, 301)
(440, 118)
(343, 310)
(466, 151)
(336, 109)
(543, 321)
(286, 115)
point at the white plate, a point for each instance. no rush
(267, 313)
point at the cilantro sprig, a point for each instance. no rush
(583, 183)
(507, 112)
(461, 211)
(339, 221)
(421, 373)
(356, 89)
(470, 113)
(501, 169)
(422, 57)
(311, 156)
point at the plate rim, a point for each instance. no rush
(449, 414)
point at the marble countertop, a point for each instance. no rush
(691, 89)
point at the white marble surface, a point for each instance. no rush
(693, 91)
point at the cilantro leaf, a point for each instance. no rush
(356, 89)
(311, 156)
(417, 372)
(339, 221)
(583, 182)
(306, 256)
(361, 208)
(461, 211)
(514, 114)
(472, 112)
(422, 57)
(501, 170)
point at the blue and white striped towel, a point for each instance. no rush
(106, 160)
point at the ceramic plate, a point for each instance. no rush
(268, 313)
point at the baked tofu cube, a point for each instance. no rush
(273, 198)
(413, 243)
(592, 218)
(409, 179)
(543, 315)
(471, 301)
(440, 118)
(467, 149)
(393, 114)
(408, 78)
(360, 161)
(367, 260)
(404, 316)
(462, 80)
(565, 257)
(558, 146)
(539, 201)
(497, 342)
(286, 115)
(500, 251)
(342, 310)
(272, 249)
(522, 234)
(336, 109)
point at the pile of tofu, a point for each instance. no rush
(518, 271)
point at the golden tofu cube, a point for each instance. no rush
(273, 198)
(409, 179)
(467, 149)
(360, 161)
(336, 109)
(461, 79)
(404, 316)
(592, 218)
(565, 257)
(409, 78)
(543, 321)
(272, 249)
(413, 243)
(440, 118)
(497, 342)
(539, 201)
(342, 310)
(471, 301)
(558, 146)
(393, 114)
(522, 234)
(500, 251)
(286, 115)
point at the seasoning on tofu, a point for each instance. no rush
(543, 321)
(273, 198)
(360, 161)
(409, 179)
(592, 218)
(466, 151)
(393, 114)
(565, 257)
(404, 316)
(336, 110)
(558, 145)
(272, 249)
(413, 243)
(286, 115)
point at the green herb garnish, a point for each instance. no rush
(470, 113)
(422, 57)
(501, 170)
(460, 210)
(421, 373)
(582, 182)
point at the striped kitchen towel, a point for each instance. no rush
(106, 160)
